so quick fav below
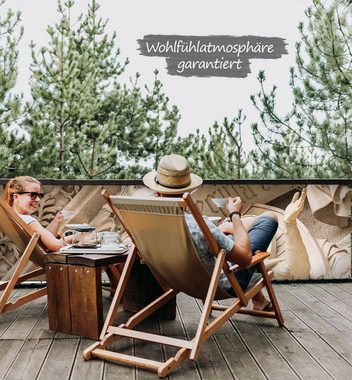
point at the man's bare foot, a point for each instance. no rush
(261, 303)
(267, 306)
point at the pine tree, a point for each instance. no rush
(84, 122)
(10, 35)
(314, 138)
(162, 122)
(220, 154)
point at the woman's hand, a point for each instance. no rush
(54, 225)
(59, 217)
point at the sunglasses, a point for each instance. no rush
(33, 194)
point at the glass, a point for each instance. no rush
(108, 240)
(82, 237)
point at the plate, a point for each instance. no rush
(82, 246)
(98, 250)
(73, 226)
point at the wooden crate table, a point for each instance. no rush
(75, 292)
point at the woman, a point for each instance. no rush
(23, 194)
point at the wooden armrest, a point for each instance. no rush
(257, 258)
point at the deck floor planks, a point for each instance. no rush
(238, 357)
(41, 329)
(337, 292)
(346, 286)
(291, 350)
(324, 311)
(122, 344)
(9, 349)
(266, 355)
(324, 342)
(91, 369)
(211, 363)
(116, 371)
(148, 350)
(315, 342)
(6, 319)
(176, 329)
(332, 302)
(59, 361)
(27, 364)
(26, 319)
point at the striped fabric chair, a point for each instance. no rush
(28, 243)
(161, 237)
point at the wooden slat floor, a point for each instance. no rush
(316, 342)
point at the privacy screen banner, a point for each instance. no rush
(313, 240)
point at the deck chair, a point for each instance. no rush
(160, 234)
(28, 243)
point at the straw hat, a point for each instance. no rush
(173, 176)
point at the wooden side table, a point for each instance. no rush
(75, 292)
(141, 289)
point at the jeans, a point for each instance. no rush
(260, 236)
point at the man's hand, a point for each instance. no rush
(241, 250)
(234, 204)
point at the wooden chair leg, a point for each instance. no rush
(208, 305)
(21, 265)
(272, 296)
(119, 292)
(114, 275)
(174, 362)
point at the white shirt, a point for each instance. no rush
(27, 218)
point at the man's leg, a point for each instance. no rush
(260, 235)
(261, 238)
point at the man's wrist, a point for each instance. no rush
(234, 213)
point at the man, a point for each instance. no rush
(243, 239)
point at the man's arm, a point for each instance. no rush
(241, 251)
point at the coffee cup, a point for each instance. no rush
(68, 214)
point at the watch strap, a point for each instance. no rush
(234, 213)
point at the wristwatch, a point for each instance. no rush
(234, 213)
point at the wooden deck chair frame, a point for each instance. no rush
(188, 348)
(28, 243)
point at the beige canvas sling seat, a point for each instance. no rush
(160, 234)
(28, 243)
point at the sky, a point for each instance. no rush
(201, 101)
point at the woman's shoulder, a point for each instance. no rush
(27, 218)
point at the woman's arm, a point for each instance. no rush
(47, 238)
(54, 226)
